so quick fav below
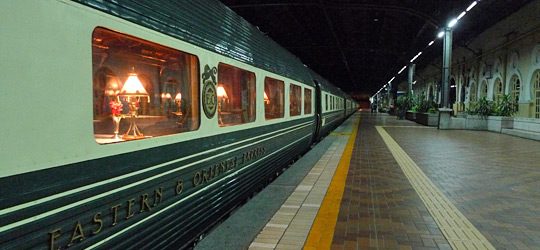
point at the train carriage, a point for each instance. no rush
(331, 102)
(141, 125)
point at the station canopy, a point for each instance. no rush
(358, 45)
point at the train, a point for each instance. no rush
(143, 124)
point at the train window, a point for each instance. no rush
(274, 102)
(307, 101)
(326, 101)
(329, 102)
(295, 99)
(236, 95)
(141, 89)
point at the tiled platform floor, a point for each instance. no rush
(380, 208)
(492, 179)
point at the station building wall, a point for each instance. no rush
(504, 59)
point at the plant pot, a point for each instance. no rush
(427, 119)
(498, 123)
(411, 115)
(476, 122)
(401, 114)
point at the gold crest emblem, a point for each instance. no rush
(209, 95)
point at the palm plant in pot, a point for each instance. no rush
(402, 105)
(505, 106)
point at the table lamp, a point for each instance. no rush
(221, 95)
(178, 99)
(266, 99)
(133, 90)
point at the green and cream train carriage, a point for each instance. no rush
(142, 125)
(333, 105)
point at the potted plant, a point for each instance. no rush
(411, 113)
(484, 108)
(505, 107)
(402, 105)
(477, 114)
(502, 112)
(427, 114)
(412, 107)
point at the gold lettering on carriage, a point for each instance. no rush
(142, 204)
(205, 175)
(253, 154)
(92, 226)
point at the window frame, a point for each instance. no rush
(325, 101)
(305, 104)
(151, 84)
(268, 79)
(299, 88)
(251, 117)
(515, 89)
(535, 90)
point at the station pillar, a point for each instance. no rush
(445, 119)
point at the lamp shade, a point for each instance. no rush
(266, 99)
(113, 85)
(178, 96)
(221, 92)
(133, 87)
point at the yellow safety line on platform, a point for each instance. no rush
(458, 230)
(340, 134)
(322, 230)
(410, 127)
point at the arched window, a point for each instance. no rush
(472, 92)
(536, 92)
(498, 89)
(483, 89)
(514, 88)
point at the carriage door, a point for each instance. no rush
(318, 110)
(344, 107)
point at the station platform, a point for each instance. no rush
(381, 183)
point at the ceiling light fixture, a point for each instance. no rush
(461, 15)
(441, 34)
(452, 23)
(471, 6)
(417, 55)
